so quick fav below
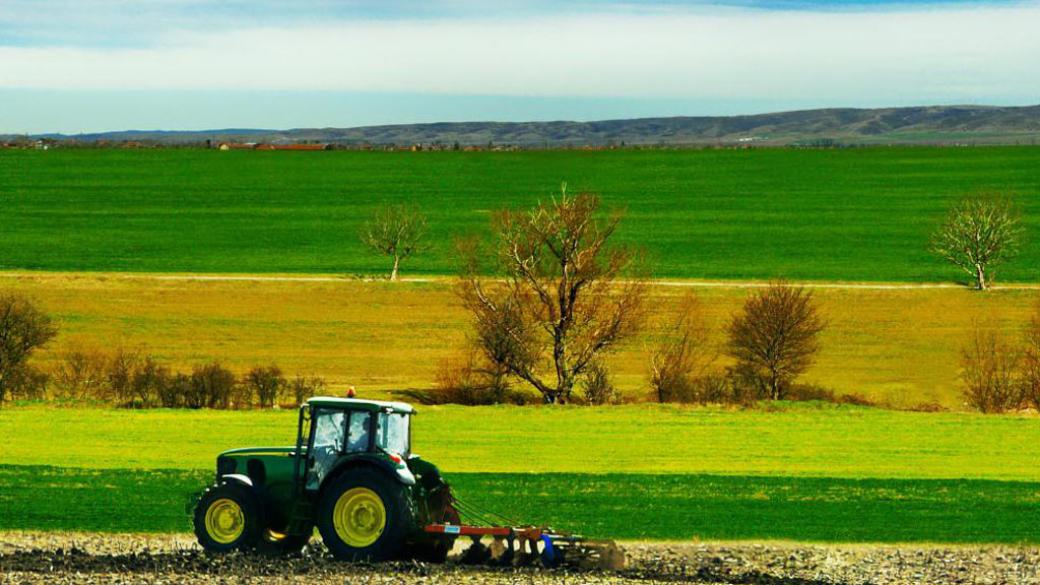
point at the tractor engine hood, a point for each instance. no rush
(236, 462)
(247, 451)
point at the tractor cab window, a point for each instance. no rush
(392, 432)
(358, 432)
(328, 444)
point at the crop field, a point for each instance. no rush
(897, 346)
(848, 215)
(805, 472)
(249, 258)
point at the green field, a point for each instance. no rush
(804, 472)
(860, 214)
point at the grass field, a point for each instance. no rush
(860, 214)
(804, 440)
(631, 507)
(897, 346)
(804, 473)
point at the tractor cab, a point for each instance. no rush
(334, 431)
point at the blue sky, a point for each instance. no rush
(92, 65)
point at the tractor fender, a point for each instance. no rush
(400, 474)
(237, 478)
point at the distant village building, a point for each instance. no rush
(293, 147)
(264, 146)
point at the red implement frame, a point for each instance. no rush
(530, 533)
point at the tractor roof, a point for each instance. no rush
(356, 404)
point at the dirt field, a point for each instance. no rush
(86, 558)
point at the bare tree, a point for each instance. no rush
(775, 337)
(265, 383)
(149, 384)
(23, 329)
(122, 367)
(302, 388)
(991, 372)
(395, 231)
(564, 299)
(979, 233)
(683, 354)
(82, 374)
(1031, 362)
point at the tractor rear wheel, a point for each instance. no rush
(364, 516)
(227, 518)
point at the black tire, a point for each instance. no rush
(277, 544)
(248, 519)
(397, 514)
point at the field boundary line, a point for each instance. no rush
(443, 278)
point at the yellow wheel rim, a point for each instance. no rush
(225, 521)
(359, 517)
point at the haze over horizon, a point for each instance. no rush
(104, 65)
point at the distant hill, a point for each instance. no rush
(913, 125)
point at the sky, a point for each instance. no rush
(94, 65)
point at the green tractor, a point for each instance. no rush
(351, 474)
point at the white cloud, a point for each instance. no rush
(974, 54)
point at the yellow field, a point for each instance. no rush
(898, 345)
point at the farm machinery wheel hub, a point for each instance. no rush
(225, 521)
(359, 517)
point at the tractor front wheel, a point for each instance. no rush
(227, 518)
(364, 516)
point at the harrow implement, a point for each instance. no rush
(518, 545)
(530, 545)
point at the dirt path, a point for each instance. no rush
(444, 279)
(85, 558)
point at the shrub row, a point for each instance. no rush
(134, 380)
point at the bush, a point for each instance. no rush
(713, 388)
(599, 389)
(265, 383)
(808, 392)
(472, 381)
(149, 385)
(27, 383)
(991, 373)
(302, 388)
(211, 386)
(82, 375)
(682, 360)
(120, 376)
(1031, 363)
(175, 392)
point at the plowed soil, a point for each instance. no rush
(93, 558)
